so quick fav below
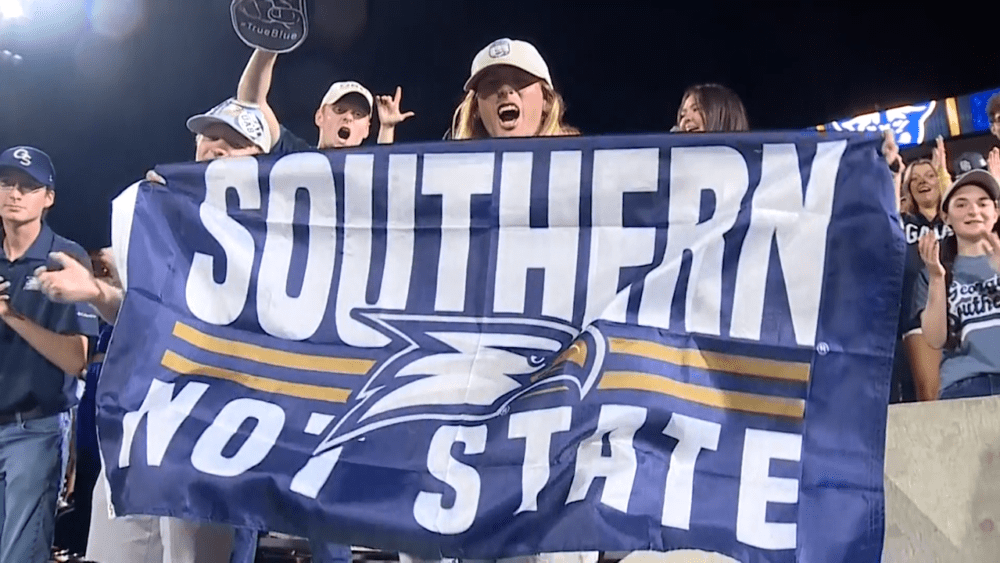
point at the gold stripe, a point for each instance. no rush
(739, 365)
(544, 391)
(270, 356)
(728, 400)
(951, 110)
(184, 366)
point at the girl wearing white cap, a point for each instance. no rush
(509, 93)
(957, 297)
(343, 117)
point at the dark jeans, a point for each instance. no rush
(982, 385)
(30, 460)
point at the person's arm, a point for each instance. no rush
(897, 183)
(255, 84)
(890, 150)
(993, 163)
(939, 156)
(108, 301)
(925, 365)
(934, 318)
(386, 135)
(67, 351)
(389, 116)
(76, 284)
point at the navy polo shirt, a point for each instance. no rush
(27, 379)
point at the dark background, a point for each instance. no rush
(106, 85)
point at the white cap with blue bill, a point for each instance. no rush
(247, 119)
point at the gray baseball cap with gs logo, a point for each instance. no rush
(247, 119)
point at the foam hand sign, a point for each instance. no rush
(278, 26)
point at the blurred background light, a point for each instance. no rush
(117, 19)
(10, 9)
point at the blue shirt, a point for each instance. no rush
(289, 143)
(86, 423)
(27, 379)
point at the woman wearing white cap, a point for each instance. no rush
(509, 93)
(343, 117)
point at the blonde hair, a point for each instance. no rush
(466, 124)
(908, 177)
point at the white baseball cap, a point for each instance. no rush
(519, 54)
(246, 118)
(340, 89)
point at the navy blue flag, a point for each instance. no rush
(494, 348)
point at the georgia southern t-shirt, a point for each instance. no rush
(974, 308)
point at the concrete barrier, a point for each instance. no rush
(942, 479)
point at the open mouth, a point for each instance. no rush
(509, 114)
(344, 133)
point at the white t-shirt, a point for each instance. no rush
(122, 210)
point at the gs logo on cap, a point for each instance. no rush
(23, 156)
(250, 125)
(499, 49)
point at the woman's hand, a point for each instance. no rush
(930, 253)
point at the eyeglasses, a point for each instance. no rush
(25, 190)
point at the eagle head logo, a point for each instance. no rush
(466, 369)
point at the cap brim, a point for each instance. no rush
(28, 172)
(981, 178)
(199, 123)
(475, 77)
(355, 93)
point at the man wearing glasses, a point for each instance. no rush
(41, 341)
(993, 114)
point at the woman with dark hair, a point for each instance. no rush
(957, 297)
(711, 108)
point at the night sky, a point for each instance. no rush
(106, 85)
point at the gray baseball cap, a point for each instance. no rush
(976, 177)
(247, 119)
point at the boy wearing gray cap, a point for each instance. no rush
(230, 129)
